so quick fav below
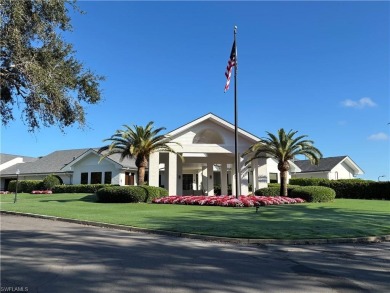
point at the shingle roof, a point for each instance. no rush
(52, 163)
(7, 157)
(326, 164)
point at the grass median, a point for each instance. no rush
(341, 218)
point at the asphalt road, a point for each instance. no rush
(39, 255)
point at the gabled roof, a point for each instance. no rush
(115, 158)
(52, 163)
(7, 157)
(56, 161)
(217, 120)
(327, 164)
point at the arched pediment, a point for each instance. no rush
(208, 136)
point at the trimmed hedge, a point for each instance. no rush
(308, 181)
(314, 193)
(273, 189)
(350, 188)
(130, 194)
(50, 181)
(268, 191)
(153, 192)
(79, 188)
(25, 185)
(121, 194)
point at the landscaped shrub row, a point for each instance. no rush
(273, 189)
(268, 191)
(314, 193)
(142, 193)
(308, 193)
(26, 185)
(79, 188)
(350, 188)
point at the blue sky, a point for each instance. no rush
(321, 68)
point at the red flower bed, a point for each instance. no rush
(228, 201)
(41, 192)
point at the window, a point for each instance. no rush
(107, 177)
(273, 177)
(96, 177)
(84, 178)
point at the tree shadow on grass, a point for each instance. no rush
(280, 222)
(87, 198)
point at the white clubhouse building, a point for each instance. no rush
(207, 148)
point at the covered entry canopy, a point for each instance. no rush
(207, 146)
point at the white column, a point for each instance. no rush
(179, 176)
(172, 174)
(244, 177)
(233, 178)
(255, 183)
(154, 161)
(205, 186)
(262, 177)
(200, 180)
(210, 179)
(224, 183)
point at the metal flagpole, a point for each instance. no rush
(237, 179)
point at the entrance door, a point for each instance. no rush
(129, 178)
(188, 184)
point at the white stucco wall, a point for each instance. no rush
(186, 138)
(324, 175)
(90, 163)
(341, 171)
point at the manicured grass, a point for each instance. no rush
(341, 218)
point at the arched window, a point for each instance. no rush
(208, 136)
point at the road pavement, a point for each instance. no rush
(40, 255)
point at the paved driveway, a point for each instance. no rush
(41, 255)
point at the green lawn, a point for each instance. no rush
(342, 218)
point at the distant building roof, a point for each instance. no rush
(54, 162)
(7, 157)
(327, 164)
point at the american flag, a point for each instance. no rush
(231, 64)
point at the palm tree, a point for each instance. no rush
(137, 142)
(284, 147)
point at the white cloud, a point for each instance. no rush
(379, 136)
(360, 104)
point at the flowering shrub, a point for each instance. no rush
(4, 192)
(41, 192)
(228, 201)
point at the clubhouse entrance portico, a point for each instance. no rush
(207, 148)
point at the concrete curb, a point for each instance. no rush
(368, 239)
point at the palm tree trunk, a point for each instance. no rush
(141, 163)
(141, 175)
(283, 167)
(283, 183)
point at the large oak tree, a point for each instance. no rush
(38, 70)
